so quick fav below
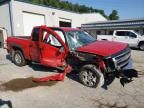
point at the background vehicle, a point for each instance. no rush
(59, 47)
(127, 36)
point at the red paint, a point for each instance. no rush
(102, 66)
(68, 29)
(56, 77)
(103, 48)
(50, 55)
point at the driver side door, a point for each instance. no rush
(53, 49)
(120, 36)
(132, 40)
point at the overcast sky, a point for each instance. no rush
(126, 8)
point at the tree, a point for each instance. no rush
(114, 15)
(63, 4)
(54, 3)
(39, 1)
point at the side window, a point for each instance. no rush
(120, 33)
(49, 38)
(35, 35)
(60, 33)
(132, 35)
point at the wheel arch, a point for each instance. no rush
(97, 71)
(140, 43)
(16, 47)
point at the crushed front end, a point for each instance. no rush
(118, 62)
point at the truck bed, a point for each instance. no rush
(22, 42)
(22, 37)
(105, 37)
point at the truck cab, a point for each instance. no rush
(128, 36)
(47, 48)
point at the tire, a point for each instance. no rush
(19, 59)
(90, 76)
(141, 46)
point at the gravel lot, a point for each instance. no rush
(17, 89)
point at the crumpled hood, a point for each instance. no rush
(103, 48)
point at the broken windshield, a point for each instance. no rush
(78, 38)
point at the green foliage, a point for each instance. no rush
(68, 6)
(114, 15)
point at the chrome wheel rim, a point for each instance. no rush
(18, 59)
(89, 78)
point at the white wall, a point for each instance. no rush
(30, 20)
(50, 19)
(5, 17)
(52, 16)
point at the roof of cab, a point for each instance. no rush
(65, 29)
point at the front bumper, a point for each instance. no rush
(119, 61)
(129, 65)
(127, 72)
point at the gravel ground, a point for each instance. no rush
(18, 91)
(138, 58)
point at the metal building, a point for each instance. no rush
(107, 27)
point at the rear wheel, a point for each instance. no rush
(19, 59)
(141, 46)
(91, 76)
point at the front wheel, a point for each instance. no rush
(141, 46)
(91, 76)
(19, 59)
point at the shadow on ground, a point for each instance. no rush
(8, 57)
(38, 67)
(21, 84)
(74, 76)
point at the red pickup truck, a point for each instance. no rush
(59, 47)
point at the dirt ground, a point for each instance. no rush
(18, 91)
